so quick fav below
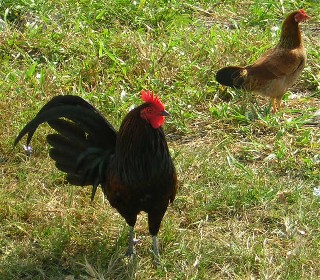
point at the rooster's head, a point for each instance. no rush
(154, 112)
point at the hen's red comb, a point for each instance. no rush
(149, 97)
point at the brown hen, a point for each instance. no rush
(277, 70)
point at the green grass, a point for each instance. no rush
(245, 208)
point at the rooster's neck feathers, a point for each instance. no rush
(141, 151)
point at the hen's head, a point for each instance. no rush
(155, 112)
(300, 16)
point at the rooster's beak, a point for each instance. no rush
(164, 113)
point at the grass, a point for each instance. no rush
(245, 208)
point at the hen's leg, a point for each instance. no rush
(274, 105)
(279, 103)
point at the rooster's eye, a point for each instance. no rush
(149, 110)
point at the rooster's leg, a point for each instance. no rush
(131, 242)
(155, 249)
(154, 221)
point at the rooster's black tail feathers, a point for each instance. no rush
(84, 142)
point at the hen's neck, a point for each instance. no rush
(290, 35)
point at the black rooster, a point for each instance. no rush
(133, 166)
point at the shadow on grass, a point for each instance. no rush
(65, 259)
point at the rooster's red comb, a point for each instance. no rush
(149, 97)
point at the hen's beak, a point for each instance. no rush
(164, 113)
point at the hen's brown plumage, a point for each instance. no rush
(133, 166)
(277, 70)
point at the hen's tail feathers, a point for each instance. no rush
(231, 76)
(84, 142)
